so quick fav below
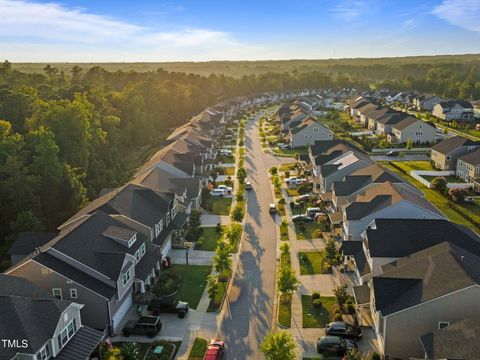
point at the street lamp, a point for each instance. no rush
(187, 245)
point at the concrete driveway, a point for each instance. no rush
(250, 301)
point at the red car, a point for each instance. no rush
(215, 350)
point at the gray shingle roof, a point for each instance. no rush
(26, 243)
(82, 345)
(397, 238)
(456, 341)
(472, 157)
(453, 143)
(428, 274)
(405, 122)
(17, 286)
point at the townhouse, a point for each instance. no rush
(97, 261)
(445, 154)
(385, 122)
(454, 110)
(375, 114)
(307, 132)
(419, 294)
(468, 167)
(411, 128)
(332, 160)
(385, 200)
(362, 111)
(37, 326)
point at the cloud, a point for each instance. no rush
(409, 24)
(462, 13)
(349, 10)
(33, 31)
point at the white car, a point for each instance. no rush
(217, 193)
(225, 152)
(283, 146)
(291, 180)
(225, 188)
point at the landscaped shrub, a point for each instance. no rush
(317, 303)
(315, 295)
(237, 214)
(338, 316)
(282, 201)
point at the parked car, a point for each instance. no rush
(301, 218)
(334, 345)
(225, 188)
(225, 152)
(283, 146)
(215, 350)
(217, 192)
(248, 185)
(392, 153)
(343, 329)
(312, 211)
(301, 198)
(163, 305)
(291, 180)
(300, 181)
(272, 208)
(145, 325)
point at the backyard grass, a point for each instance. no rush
(317, 317)
(226, 159)
(287, 167)
(194, 280)
(438, 200)
(169, 349)
(285, 310)
(289, 152)
(210, 237)
(217, 206)
(292, 192)
(414, 165)
(198, 349)
(308, 230)
(311, 262)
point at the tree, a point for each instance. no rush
(341, 295)
(279, 346)
(331, 251)
(237, 213)
(285, 248)
(222, 263)
(457, 195)
(287, 280)
(440, 184)
(409, 144)
(212, 287)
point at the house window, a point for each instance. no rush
(126, 277)
(73, 293)
(67, 333)
(44, 353)
(443, 324)
(57, 293)
(167, 220)
(132, 240)
(142, 249)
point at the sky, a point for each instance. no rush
(204, 30)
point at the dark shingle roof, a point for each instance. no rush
(397, 238)
(26, 243)
(17, 286)
(358, 210)
(82, 345)
(426, 275)
(472, 157)
(355, 249)
(351, 184)
(453, 143)
(456, 341)
(405, 122)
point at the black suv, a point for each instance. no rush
(146, 325)
(334, 345)
(162, 305)
(343, 329)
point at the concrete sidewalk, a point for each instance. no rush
(207, 220)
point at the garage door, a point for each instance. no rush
(122, 310)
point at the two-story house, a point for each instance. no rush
(411, 128)
(384, 123)
(445, 154)
(468, 167)
(454, 110)
(426, 102)
(418, 294)
(385, 201)
(34, 325)
(307, 132)
(97, 261)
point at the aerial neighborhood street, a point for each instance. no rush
(269, 215)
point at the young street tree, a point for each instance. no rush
(279, 346)
(287, 280)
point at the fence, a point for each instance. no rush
(405, 150)
(418, 175)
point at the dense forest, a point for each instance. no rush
(67, 133)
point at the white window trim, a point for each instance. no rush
(127, 275)
(60, 290)
(47, 355)
(72, 292)
(445, 323)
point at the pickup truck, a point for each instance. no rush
(145, 325)
(161, 305)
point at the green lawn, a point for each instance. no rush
(289, 152)
(198, 349)
(317, 317)
(285, 310)
(292, 192)
(438, 200)
(311, 262)
(217, 206)
(222, 287)
(229, 170)
(194, 280)
(226, 159)
(169, 349)
(210, 236)
(308, 230)
(287, 167)
(414, 165)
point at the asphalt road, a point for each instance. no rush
(250, 301)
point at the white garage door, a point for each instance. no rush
(122, 310)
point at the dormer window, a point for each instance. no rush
(132, 240)
(126, 277)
